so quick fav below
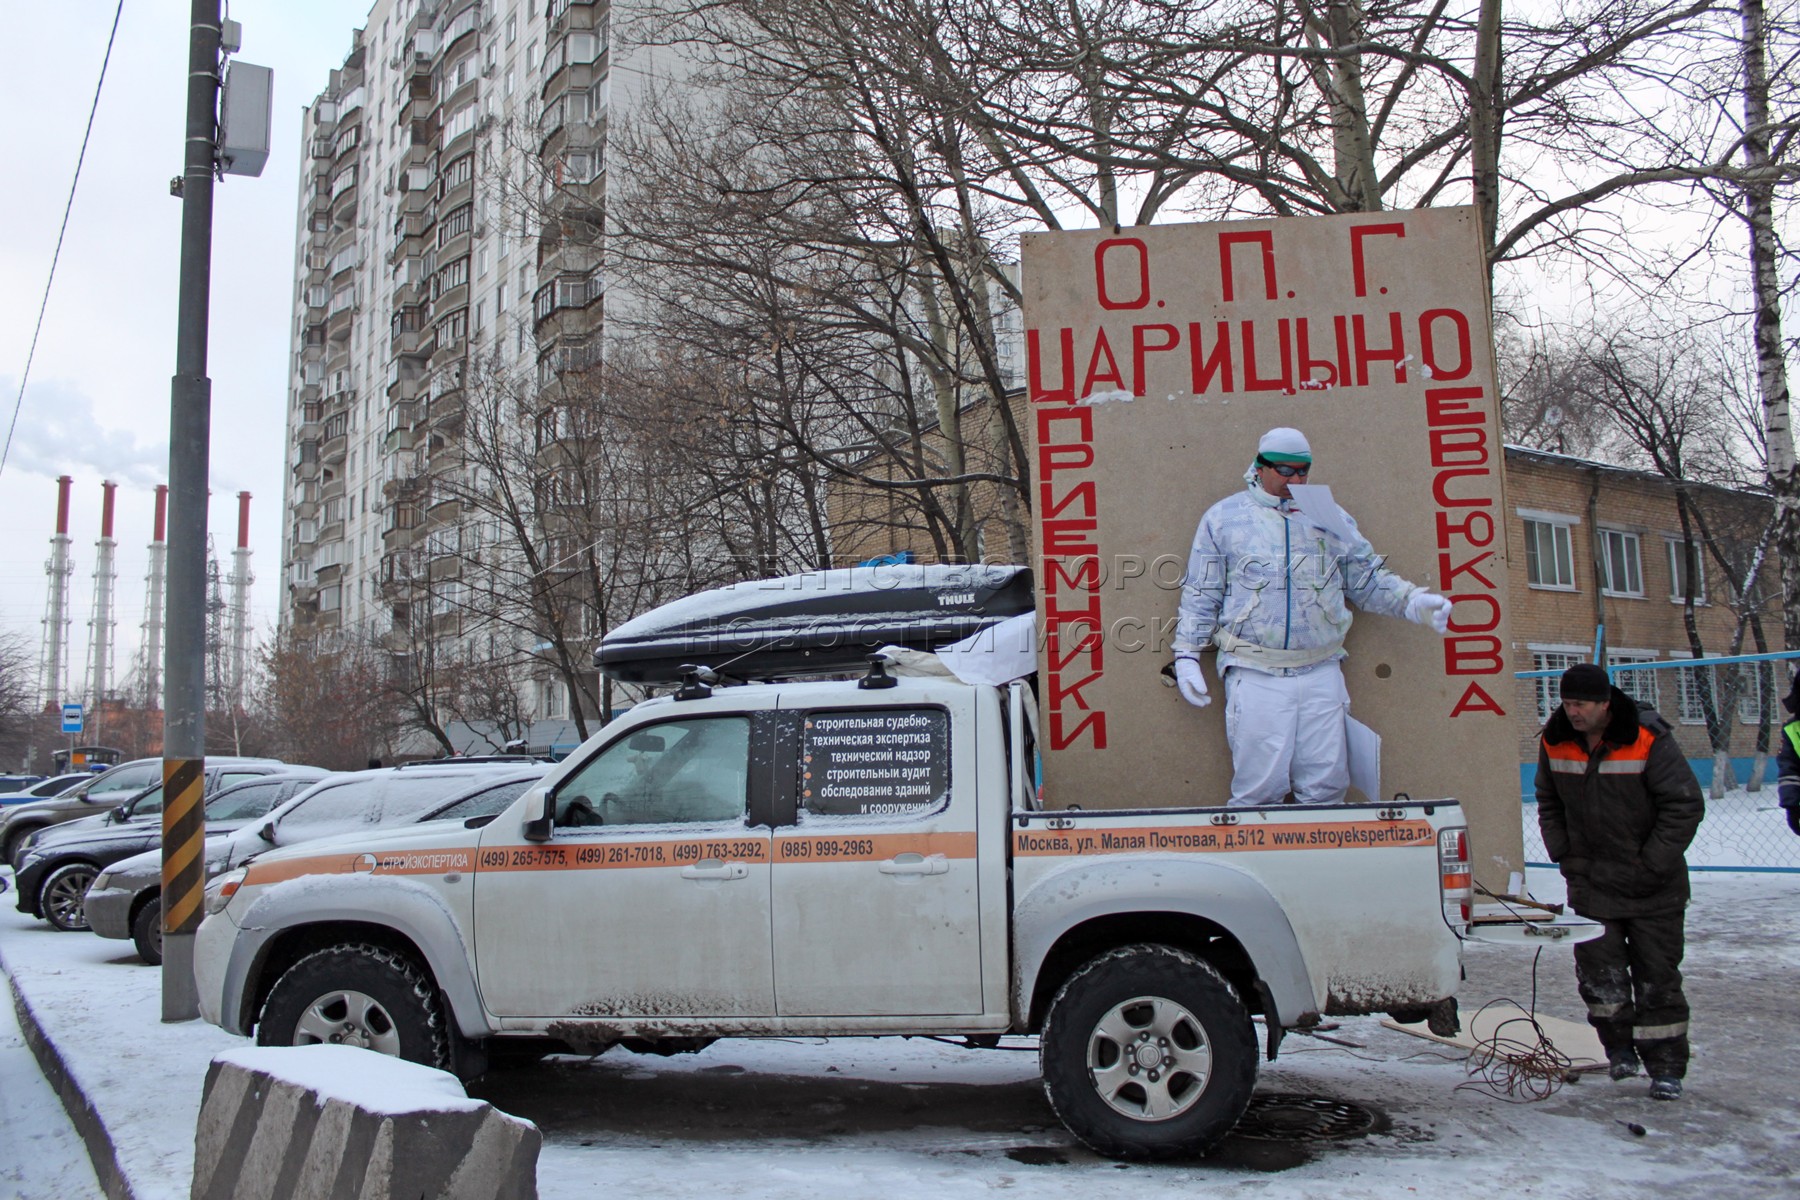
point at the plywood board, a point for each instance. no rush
(1503, 1020)
(1156, 358)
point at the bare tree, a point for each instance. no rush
(323, 701)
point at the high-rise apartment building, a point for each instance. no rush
(454, 135)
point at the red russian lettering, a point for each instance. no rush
(1448, 570)
(1141, 346)
(1443, 406)
(1477, 654)
(1442, 478)
(1082, 494)
(1466, 530)
(1492, 618)
(1465, 358)
(1358, 266)
(1065, 537)
(1365, 354)
(1459, 447)
(1034, 371)
(1205, 366)
(1081, 415)
(1095, 372)
(1263, 238)
(1060, 692)
(1308, 363)
(1143, 272)
(1066, 456)
(1254, 382)
(1085, 578)
(1474, 699)
(1090, 640)
(1062, 738)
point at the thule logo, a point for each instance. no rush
(956, 598)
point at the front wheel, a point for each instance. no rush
(147, 931)
(63, 898)
(358, 995)
(1148, 1053)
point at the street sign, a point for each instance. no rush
(71, 722)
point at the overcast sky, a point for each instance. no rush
(97, 406)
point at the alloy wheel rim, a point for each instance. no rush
(344, 1017)
(1149, 1059)
(66, 899)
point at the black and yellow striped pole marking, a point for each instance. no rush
(184, 839)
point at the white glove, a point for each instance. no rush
(1425, 608)
(1191, 682)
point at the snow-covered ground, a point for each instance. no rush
(869, 1118)
(1742, 829)
(41, 1156)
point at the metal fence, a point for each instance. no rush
(1745, 828)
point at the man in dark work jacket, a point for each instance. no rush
(1618, 805)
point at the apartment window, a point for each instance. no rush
(1695, 684)
(1678, 580)
(1549, 688)
(456, 224)
(1758, 693)
(458, 123)
(1639, 685)
(500, 301)
(459, 172)
(1549, 560)
(553, 699)
(531, 56)
(512, 30)
(1621, 563)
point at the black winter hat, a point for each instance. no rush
(1585, 681)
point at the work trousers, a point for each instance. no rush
(1287, 734)
(1630, 977)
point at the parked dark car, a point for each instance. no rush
(56, 866)
(108, 790)
(126, 900)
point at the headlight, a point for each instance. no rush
(101, 881)
(220, 891)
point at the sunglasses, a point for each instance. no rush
(1282, 469)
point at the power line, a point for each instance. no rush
(6, 450)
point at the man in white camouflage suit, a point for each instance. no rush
(1271, 588)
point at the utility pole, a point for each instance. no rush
(243, 119)
(190, 427)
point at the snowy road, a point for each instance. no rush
(865, 1118)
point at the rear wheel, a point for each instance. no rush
(358, 995)
(63, 898)
(1148, 1054)
(147, 931)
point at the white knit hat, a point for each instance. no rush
(1284, 445)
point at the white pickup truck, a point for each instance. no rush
(850, 859)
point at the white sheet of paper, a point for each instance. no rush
(1316, 504)
(1363, 749)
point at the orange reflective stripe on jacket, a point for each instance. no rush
(1571, 757)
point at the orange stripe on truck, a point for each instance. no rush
(1122, 839)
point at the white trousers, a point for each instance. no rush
(1287, 734)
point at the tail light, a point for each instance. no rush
(1455, 883)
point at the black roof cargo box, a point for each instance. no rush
(820, 622)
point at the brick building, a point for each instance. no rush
(1590, 545)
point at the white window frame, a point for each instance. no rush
(1686, 714)
(1675, 545)
(1562, 547)
(1641, 686)
(1548, 694)
(1627, 538)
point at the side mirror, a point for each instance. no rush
(539, 816)
(267, 832)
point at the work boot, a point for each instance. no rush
(1665, 1087)
(1624, 1065)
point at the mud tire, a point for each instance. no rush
(1148, 994)
(358, 994)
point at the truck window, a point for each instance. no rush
(675, 772)
(865, 763)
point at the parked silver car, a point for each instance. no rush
(103, 793)
(126, 900)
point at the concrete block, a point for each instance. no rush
(338, 1123)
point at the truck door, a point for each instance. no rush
(651, 898)
(875, 895)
